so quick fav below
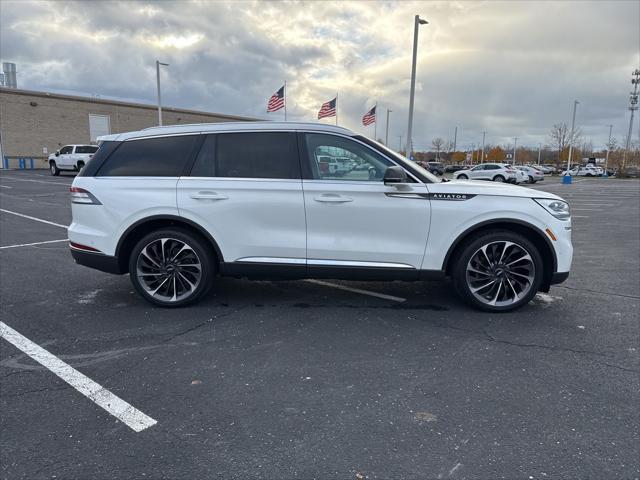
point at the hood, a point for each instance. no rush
(479, 187)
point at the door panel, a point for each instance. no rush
(248, 218)
(366, 222)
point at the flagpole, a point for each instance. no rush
(285, 100)
(336, 108)
(375, 123)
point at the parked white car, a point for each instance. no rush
(533, 175)
(175, 206)
(586, 171)
(497, 172)
(71, 158)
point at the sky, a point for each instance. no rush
(512, 68)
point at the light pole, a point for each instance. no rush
(515, 142)
(539, 150)
(418, 21)
(567, 178)
(400, 144)
(483, 135)
(158, 63)
(606, 160)
(633, 106)
(455, 139)
(386, 137)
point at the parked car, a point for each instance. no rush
(454, 168)
(437, 168)
(175, 206)
(71, 158)
(521, 177)
(533, 175)
(497, 172)
(551, 168)
(580, 171)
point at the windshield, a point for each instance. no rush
(413, 167)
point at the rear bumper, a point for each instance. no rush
(98, 261)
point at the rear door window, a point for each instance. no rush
(152, 157)
(271, 155)
(86, 149)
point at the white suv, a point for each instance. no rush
(175, 206)
(497, 172)
(71, 158)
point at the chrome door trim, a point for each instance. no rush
(290, 261)
(356, 263)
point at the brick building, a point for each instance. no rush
(34, 124)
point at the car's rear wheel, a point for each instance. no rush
(531, 179)
(462, 177)
(171, 267)
(498, 271)
(498, 178)
(80, 166)
(53, 168)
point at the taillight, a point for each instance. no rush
(80, 195)
(79, 246)
(508, 170)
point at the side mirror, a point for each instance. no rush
(57, 153)
(395, 174)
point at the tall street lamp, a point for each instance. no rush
(484, 134)
(158, 63)
(515, 142)
(418, 21)
(567, 178)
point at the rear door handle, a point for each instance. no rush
(332, 198)
(208, 196)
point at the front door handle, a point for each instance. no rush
(332, 198)
(208, 196)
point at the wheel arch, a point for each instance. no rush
(146, 225)
(542, 243)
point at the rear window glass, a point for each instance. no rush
(249, 155)
(86, 149)
(153, 157)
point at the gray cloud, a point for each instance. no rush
(510, 68)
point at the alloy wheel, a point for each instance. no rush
(500, 273)
(168, 269)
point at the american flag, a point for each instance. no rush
(276, 102)
(369, 117)
(328, 109)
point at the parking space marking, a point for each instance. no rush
(33, 218)
(123, 411)
(357, 290)
(5, 186)
(34, 243)
(4, 177)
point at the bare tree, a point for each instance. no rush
(437, 143)
(560, 137)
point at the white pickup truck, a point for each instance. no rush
(71, 158)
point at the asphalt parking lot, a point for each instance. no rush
(307, 380)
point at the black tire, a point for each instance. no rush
(201, 252)
(531, 180)
(471, 247)
(462, 177)
(53, 168)
(80, 166)
(498, 178)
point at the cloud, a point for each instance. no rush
(508, 68)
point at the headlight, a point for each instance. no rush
(557, 208)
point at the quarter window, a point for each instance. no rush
(338, 158)
(86, 149)
(152, 157)
(249, 155)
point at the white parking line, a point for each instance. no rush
(35, 243)
(5, 186)
(357, 290)
(132, 417)
(33, 218)
(4, 177)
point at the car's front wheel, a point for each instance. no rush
(53, 168)
(462, 177)
(498, 271)
(171, 267)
